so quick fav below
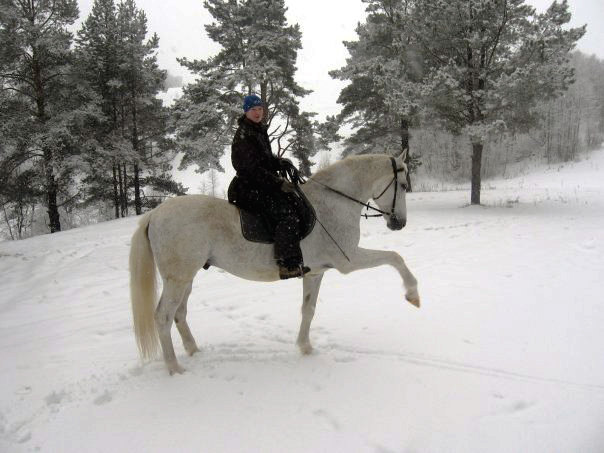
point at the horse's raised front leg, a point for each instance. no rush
(310, 285)
(367, 258)
(171, 298)
(183, 327)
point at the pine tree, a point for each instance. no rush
(327, 133)
(97, 56)
(21, 187)
(258, 55)
(120, 63)
(490, 62)
(384, 68)
(142, 80)
(36, 67)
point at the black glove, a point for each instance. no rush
(288, 187)
(289, 169)
(285, 163)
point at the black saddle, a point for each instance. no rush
(255, 229)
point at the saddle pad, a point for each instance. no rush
(255, 229)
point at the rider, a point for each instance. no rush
(258, 188)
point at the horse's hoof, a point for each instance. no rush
(192, 350)
(306, 348)
(413, 300)
(175, 369)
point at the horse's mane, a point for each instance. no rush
(346, 165)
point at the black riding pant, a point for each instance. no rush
(280, 211)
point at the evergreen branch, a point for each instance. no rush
(17, 163)
(285, 130)
(52, 76)
(274, 132)
(18, 91)
(145, 138)
(287, 147)
(272, 114)
(274, 94)
(19, 78)
(59, 205)
(50, 16)
(427, 48)
(26, 55)
(499, 32)
(281, 151)
(24, 6)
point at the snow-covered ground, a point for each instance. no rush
(505, 355)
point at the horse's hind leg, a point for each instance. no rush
(181, 323)
(171, 298)
(311, 285)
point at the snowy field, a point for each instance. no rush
(505, 355)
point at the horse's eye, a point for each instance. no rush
(404, 186)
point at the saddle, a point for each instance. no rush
(255, 229)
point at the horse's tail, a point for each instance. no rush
(143, 291)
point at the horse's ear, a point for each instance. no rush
(403, 155)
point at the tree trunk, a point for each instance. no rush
(138, 204)
(122, 169)
(54, 222)
(263, 96)
(548, 136)
(31, 218)
(476, 165)
(20, 220)
(405, 147)
(125, 194)
(116, 197)
(121, 189)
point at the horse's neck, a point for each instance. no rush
(356, 177)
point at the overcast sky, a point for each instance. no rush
(324, 23)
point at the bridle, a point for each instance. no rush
(296, 178)
(394, 180)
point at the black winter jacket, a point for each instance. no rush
(257, 168)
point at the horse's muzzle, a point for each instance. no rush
(395, 224)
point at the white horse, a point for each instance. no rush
(184, 234)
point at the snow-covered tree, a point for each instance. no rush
(98, 53)
(144, 119)
(258, 55)
(49, 112)
(120, 63)
(490, 62)
(384, 68)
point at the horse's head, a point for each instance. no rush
(391, 199)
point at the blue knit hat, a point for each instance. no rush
(251, 101)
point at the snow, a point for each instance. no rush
(505, 355)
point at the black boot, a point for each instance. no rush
(291, 271)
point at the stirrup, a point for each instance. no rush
(291, 272)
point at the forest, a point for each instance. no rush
(85, 136)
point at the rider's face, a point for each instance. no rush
(255, 114)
